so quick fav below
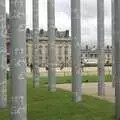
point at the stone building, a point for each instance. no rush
(63, 49)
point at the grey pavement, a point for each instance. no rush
(91, 89)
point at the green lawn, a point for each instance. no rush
(44, 105)
(67, 79)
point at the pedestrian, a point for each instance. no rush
(31, 67)
(82, 66)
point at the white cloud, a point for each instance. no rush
(62, 7)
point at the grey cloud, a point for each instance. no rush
(63, 6)
(89, 19)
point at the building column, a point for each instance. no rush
(113, 44)
(100, 37)
(51, 46)
(44, 55)
(3, 56)
(76, 50)
(36, 74)
(18, 102)
(117, 58)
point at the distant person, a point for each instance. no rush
(31, 67)
(82, 66)
(61, 66)
(46, 67)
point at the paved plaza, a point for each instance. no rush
(91, 89)
(67, 70)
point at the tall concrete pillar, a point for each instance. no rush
(3, 81)
(100, 37)
(51, 46)
(18, 107)
(113, 44)
(36, 74)
(76, 50)
(117, 58)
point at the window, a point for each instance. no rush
(40, 61)
(60, 58)
(95, 55)
(60, 50)
(91, 55)
(40, 50)
(27, 49)
(66, 50)
(66, 58)
(46, 50)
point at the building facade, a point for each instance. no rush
(63, 50)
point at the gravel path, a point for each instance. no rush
(91, 89)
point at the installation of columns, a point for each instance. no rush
(18, 107)
(76, 47)
(36, 74)
(117, 57)
(18, 100)
(51, 46)
(3, 63)
(100, 37)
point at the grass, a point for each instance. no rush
(44, 105)
(68, 79)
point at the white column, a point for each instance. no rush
(3, 53)
(117, 58)
(76, 47)
(100, 37)
(36, 74)
(113, 43)
(18, 108)
(51, 46)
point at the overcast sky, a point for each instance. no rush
(62, 7)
